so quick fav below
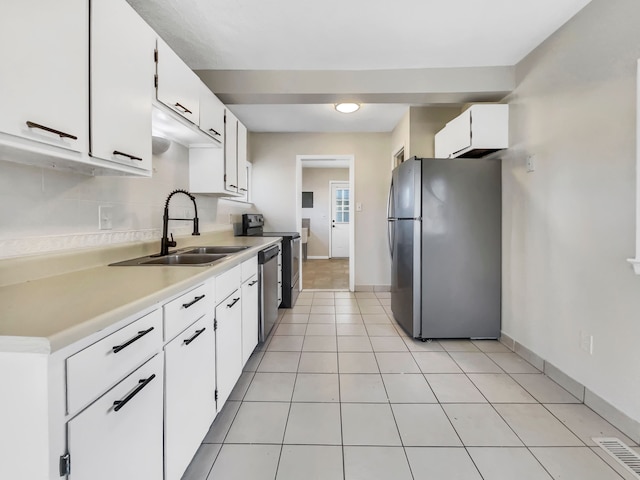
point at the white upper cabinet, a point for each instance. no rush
(44, 79)
(211, 114)
(242, 158)
(231, 153)
(178, 87)
(476, 132)
(122, 69)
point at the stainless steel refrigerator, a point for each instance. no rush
(444, 218)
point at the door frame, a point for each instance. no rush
(331, 184)
(344, 161)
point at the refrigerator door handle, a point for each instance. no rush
(389, 199)
(390, 218)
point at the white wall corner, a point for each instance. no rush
(635, 262)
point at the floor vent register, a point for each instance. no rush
(622, 454)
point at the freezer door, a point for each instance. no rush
(405, 275)
(406, 189)
(461, 248)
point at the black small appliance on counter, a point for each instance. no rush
(252, 226)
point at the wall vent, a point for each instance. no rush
(621, 453)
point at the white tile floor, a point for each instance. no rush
(340, 392)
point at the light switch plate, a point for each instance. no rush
(358, 207)
(105, 217)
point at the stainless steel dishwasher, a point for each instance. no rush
(268, 277)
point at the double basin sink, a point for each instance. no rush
(194, 256)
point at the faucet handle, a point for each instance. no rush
(172, 242)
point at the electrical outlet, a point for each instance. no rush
(586, 342)
(531, 164)
(105, 217)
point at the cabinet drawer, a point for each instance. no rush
(120, 435)
(98, 367)
(186, 309)
(227, 283)
(249, 268)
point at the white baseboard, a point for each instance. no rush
(309, 257)
(618, 419)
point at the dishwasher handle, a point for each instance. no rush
(267, 254)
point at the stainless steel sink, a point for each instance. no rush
(194, 256)
(216, 249)
(174, 258)
(185, 258)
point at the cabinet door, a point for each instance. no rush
(44, 80)
(249, 317)
(211, 114)
(178, 86)
(105, 443)
(242, 158)
(231, 153)
(459, 133)
(122, 70)
(190, 404)
(280, 275)
(228, 345)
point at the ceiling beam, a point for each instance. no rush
(427, 86)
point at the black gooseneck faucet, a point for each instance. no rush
(165, 243)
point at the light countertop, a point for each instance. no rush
(46, 314)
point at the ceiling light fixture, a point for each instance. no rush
(347, 107)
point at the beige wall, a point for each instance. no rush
(569, 226)
(424, 123)
(401, 137)
(274, 170)
(317, 180)
(45, 210)
(417, 129)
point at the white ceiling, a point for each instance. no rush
(319, 118)
(349, 35)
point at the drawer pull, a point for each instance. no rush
(242, 189)
(253, 283)
(141, 334)
(195, 335)
(235, 300)
(51, 130)
(195, 300)
(132, 157)
(118, 404)
(214, 131)
(183, 108)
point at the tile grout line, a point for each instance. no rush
(395, 421)
(286, 423)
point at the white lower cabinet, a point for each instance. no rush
(228, 345)
(280, 274)
(120, 435)
(190, 404)
(133, 401)
(249, 317)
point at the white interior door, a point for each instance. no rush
(340, 218)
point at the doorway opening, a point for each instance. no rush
(324, 214)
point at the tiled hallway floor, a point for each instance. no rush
(332, 273)
(339, 392)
